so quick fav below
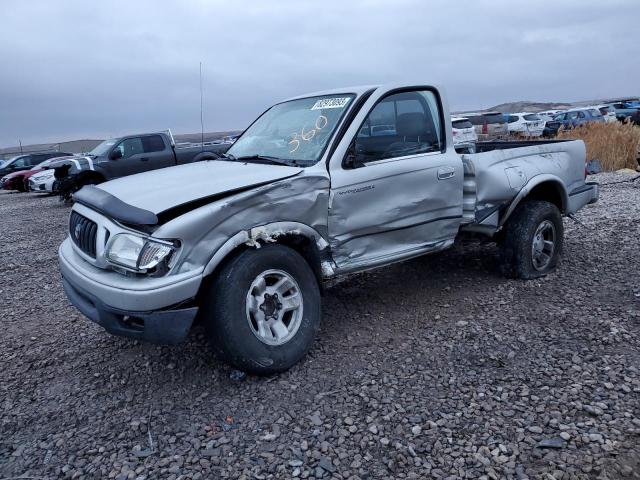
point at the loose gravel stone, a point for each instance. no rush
(437, 367)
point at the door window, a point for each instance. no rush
(402, 124)
(130, 146)
(21, 162)
(36, 159)
(152, 143)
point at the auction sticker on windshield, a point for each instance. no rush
(339, 102)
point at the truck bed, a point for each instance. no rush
(500, 171)
(505, 145)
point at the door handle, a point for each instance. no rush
(144, 159)
(445, 173)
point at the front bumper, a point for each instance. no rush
(163, 327)
(141, 308)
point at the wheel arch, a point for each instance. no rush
(542, 187)
(206, 155)
(298, 236)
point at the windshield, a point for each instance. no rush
(495, 118)
(462, 124)
(102, 148)
(298, 130)
(12, 159)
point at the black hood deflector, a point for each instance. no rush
(113, 207)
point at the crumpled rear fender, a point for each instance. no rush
(551, 180)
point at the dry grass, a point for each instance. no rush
(616, 145)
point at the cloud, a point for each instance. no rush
(95, 69)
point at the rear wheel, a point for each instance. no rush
(262, 311)
(532, 241)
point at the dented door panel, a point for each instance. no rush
(393, 207)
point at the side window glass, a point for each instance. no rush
(402, 124)
(21, 162)
(130, 146)
(152, 143)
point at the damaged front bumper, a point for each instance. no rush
(154, 312)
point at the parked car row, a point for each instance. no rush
(65, 173)
(625, 110)
(15, 172)
(493, 125)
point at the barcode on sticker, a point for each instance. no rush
(330, 103)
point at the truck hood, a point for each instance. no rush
(160, 190)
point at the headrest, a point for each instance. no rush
(412, 125)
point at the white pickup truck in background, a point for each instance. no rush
(319, 186)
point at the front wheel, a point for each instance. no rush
(262, 311)
(532, 241)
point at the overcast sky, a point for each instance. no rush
(93, 69)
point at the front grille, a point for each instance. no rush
(83, 233)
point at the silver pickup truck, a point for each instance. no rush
(319, 186)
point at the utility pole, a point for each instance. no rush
(201, 117)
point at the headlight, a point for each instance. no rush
(140, 254)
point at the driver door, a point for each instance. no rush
(399, 192)
(131, 162)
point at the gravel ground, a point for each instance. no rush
(433, 368)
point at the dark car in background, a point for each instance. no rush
(579, 116)
(572, 118)
(489, 125)
(624, 110)
(128, 155)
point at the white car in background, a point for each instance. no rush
(608, 112)
(525, 124)
(42, 181)
(464, 132)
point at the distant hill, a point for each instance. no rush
(528, 106)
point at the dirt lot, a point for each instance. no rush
(434, 368)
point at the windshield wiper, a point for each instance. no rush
(269, 159)
(225, 156)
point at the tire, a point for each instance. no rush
(533, 239)
(239, 331)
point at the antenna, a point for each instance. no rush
(201, 117)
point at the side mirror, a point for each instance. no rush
(350, 159)
(115, 154)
